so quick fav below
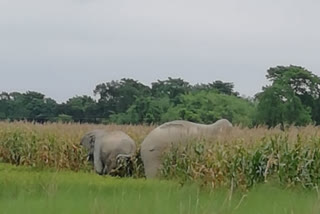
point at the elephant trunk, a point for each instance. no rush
(90, 158)
(123, 156)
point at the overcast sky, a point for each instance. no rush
(64, 48)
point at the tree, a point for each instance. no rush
(31, 106)
(217, 86)
(146, 110)
(223, 87)
(118, 96)
(209, 106)
(292, 98)
(276, 106)
(17, 107)
(81, 108)
(4, 105)
(172, 88)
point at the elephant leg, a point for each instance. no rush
(111, 165)
(105, 170)
(106, 163)
(152, 169)
(98, 166)
(152, 163)
(105, 166)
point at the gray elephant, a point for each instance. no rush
(106, 147)
(173, 133)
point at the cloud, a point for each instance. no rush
(66, 47)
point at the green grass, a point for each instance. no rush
(26, 190)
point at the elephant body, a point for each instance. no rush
(175, 133)
(104, 147)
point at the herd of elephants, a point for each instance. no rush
(106, 147)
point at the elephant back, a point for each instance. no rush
(174, 133)
(118, 142)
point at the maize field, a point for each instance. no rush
(239, 160)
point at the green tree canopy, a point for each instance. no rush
(81, 108)
(27, 106)
(209, 106)
(217, 86)
(118, 96)
(172, 88)
(293, 97)
(145, 110)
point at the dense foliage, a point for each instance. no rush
(129, 102)
(292, 98)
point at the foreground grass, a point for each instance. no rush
(26, 190)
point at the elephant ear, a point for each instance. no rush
(88, 140)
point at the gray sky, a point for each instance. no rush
(64, 48)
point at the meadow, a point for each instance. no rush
(248, 171)
(31, 191)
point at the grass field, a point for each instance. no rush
(29, 191)
(44, 170)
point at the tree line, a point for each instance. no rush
(293, 97)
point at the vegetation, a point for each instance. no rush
(128, 102)
(292, 98)
(25, 190)
(243, 167)
(53, 145)
(240, 160)
(237, 164)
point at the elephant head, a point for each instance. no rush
(88, 141)
(107, 148)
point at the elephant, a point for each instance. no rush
(106, 147)
(175, 133)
